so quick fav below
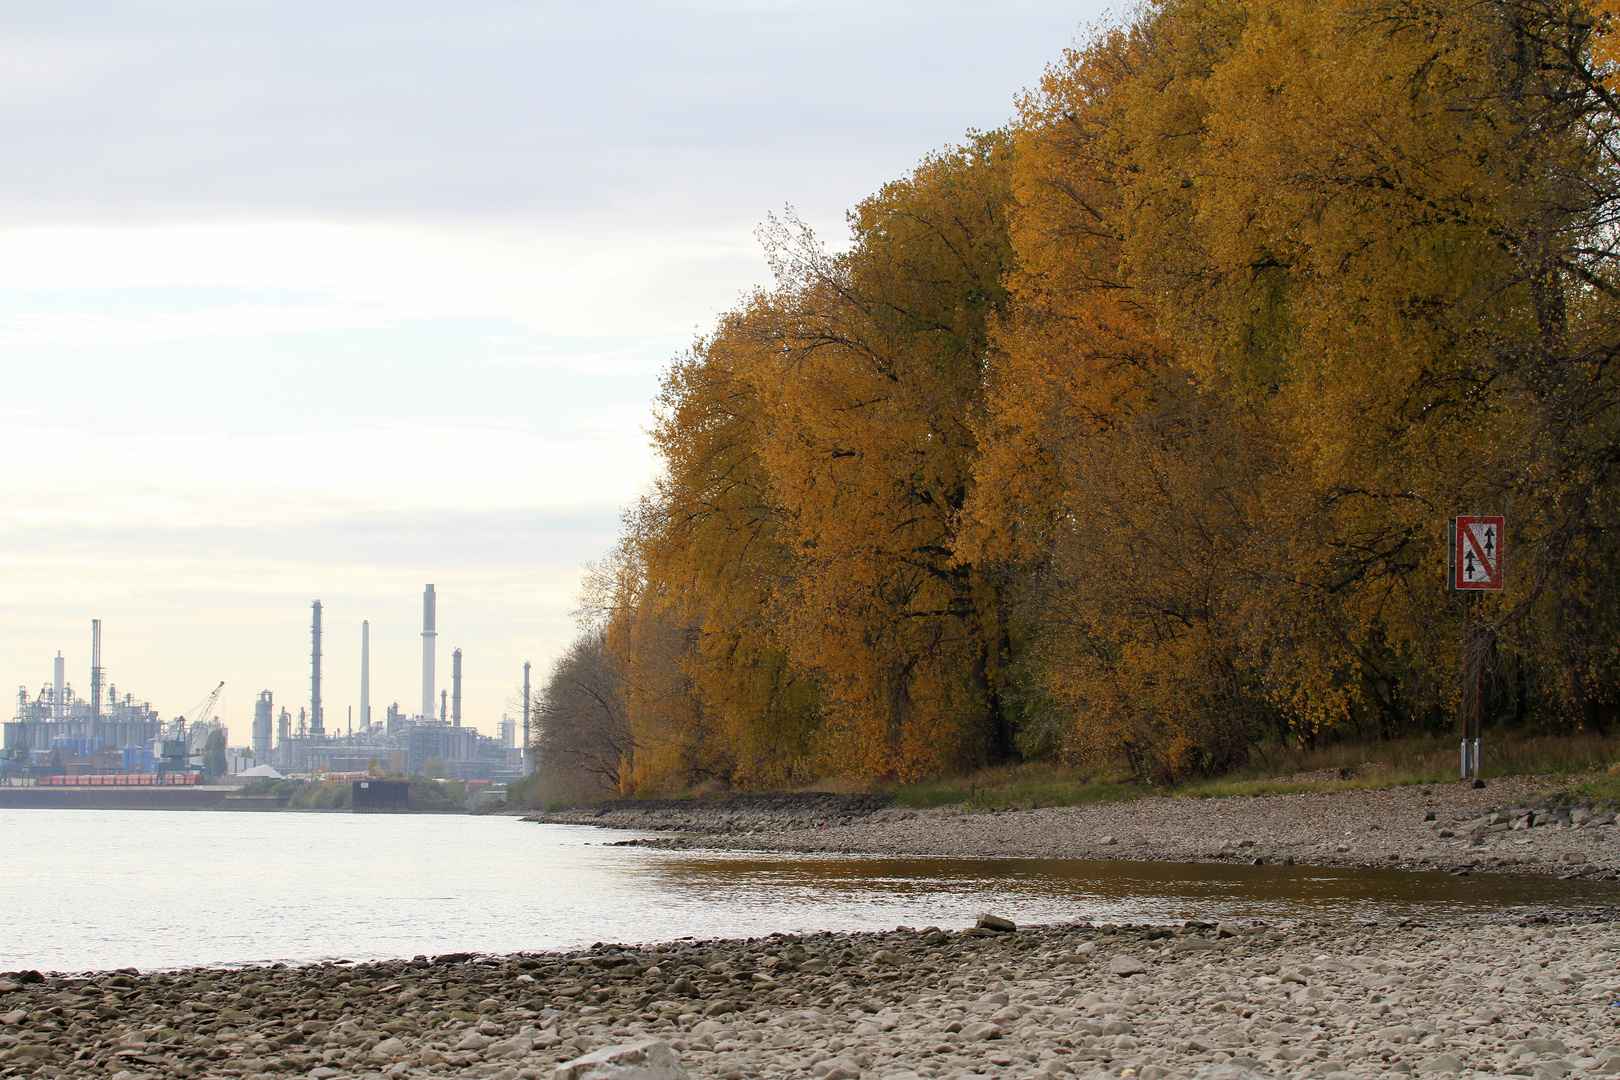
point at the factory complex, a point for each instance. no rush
(58, 737)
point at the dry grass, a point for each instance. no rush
(1023, 786)
(1277, 770)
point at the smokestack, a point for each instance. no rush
(428, 634)
(317, 724)
(365, 673)
(97, 675)
(262, 719)
(455, 684)
(528, 757)
(444, 704)
(59, 706)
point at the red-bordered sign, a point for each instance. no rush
(1476, 552)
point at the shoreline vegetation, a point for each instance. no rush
(1124, 438)
(1394, 804)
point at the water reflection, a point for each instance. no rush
(1042, 890)
(109, 888)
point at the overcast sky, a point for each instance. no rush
(329, 301)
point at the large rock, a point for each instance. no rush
(1439, 1065)
(996, 923)
(1227, 1071)
(1126, 965)
(645, 1060)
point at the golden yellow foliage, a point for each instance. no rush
(1132, 432)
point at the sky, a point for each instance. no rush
(309, 301)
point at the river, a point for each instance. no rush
(99, 889)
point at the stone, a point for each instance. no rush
(391, 1048)
(1226, 1070)
(1108, 841)
(1545, 1047)
(1126, 965)
(648, 1059)
(981, 1032)
(1439, 1065)
(885, 956)
(996, 923)
(720, 1008)
(838, 1068)
(1574, 856)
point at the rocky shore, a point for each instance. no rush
(1533, 997)
(1509, 825)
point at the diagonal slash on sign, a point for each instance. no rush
(1487, 562)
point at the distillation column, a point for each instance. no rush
(59, 709)
(98, 675)
(428, 636)
(262, 721)
(317, 725)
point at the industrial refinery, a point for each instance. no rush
(58, 734)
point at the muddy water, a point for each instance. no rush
(101, 889)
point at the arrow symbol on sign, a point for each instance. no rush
(1490, 543)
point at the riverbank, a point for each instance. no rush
(1530, 995)
(1511, 824)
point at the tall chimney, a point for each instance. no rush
(365, 673)
(428, 634)
(97, 675)
(455, 688)
(59, 704)
(528, 755)
(317, 724)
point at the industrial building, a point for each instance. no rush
(57, 731)
(398, 744)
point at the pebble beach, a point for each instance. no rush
(1534, 997)
(1528, 993)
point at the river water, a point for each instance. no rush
(98, 889)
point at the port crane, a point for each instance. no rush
(201, 711)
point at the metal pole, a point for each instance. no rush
(1478, 649)
(1467, 684)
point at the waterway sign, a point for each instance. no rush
(1476, 551)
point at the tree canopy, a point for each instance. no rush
(1130, 432)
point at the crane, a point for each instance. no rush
(201, 711)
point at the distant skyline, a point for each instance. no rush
(308, 302)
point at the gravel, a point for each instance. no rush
(1443, 826)
(1529, 997)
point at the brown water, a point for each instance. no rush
(95, 889)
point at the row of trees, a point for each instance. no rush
(1131, 432)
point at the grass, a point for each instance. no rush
(1023, 786)
(1581, 762)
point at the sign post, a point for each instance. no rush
(1476, 564)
